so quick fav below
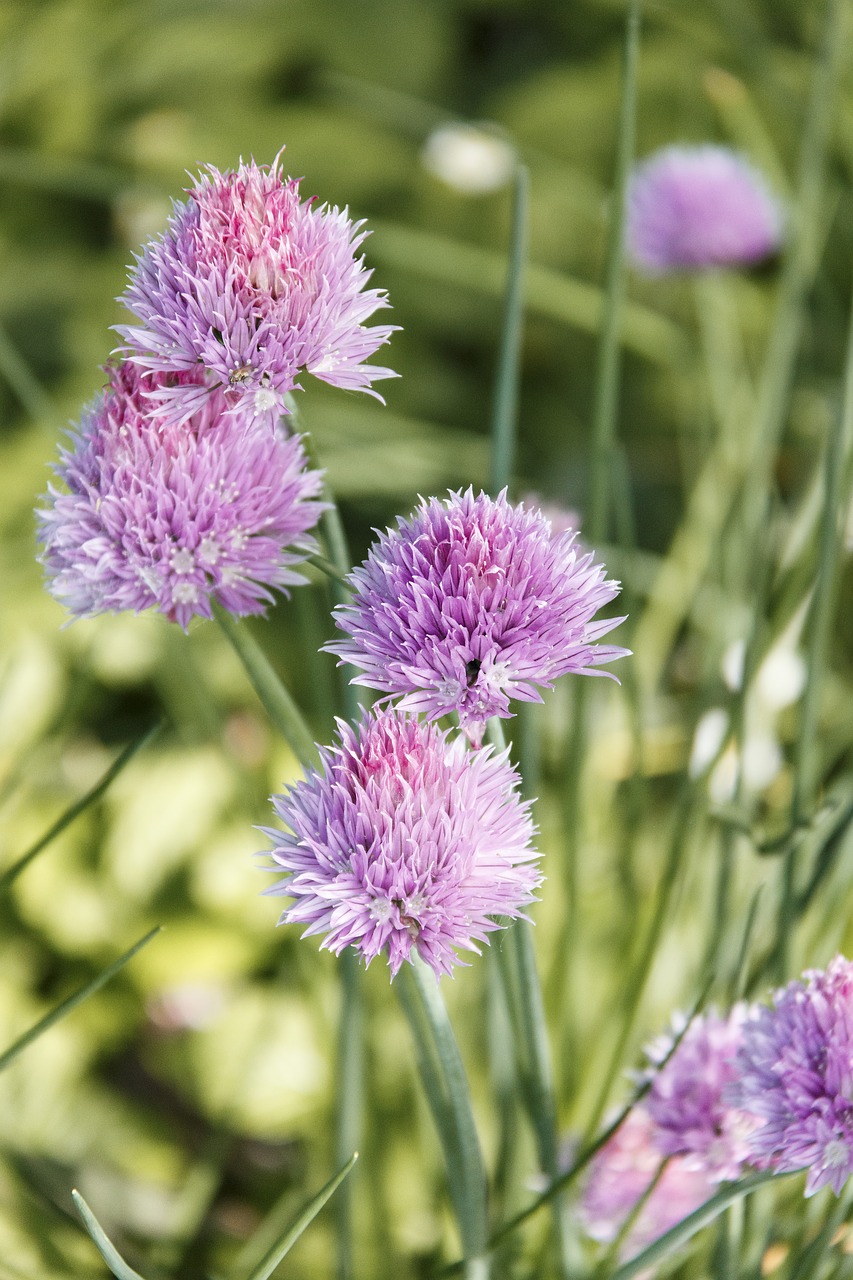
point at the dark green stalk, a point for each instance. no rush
(277, 702)
(505, 409)
(446, 1089)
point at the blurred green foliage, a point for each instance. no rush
(196, 1089)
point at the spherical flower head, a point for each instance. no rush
(622, 1172)
(688, 1100)
(796, 1077)
(472, 602)
(254, 286)
(691, 208)
(404, 841)
(153, 515)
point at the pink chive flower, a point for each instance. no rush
(691, 208)
(795, 1076)
(253, 286)
(472, 602)
(150, 515)
(621, 1173)
(688, 1099)
(404, 841)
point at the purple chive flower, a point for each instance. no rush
(696, 207)
(688, 1102)
(253, 285)
(157, 516)
(621, 1173)
(404, 841)
(471, 602)
(796, 1078)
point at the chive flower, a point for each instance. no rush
(691, 208)
(253, 285)
(470, 603)
(688, 1099)
(404, 841)
(147, 514)
(795, 1077)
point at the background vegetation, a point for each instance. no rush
(195, 1091)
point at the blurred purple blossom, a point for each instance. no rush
(253, 286)
(622, 1172)
(150, 515)
(404, 840)
(472, 602)
(696, 207)
(796, 1077)
(688, 1101)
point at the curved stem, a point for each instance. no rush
(277, 702)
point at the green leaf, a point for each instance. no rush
(285, 1242)
(8, 877)
(103, 1244)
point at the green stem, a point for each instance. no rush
(350, 1046)
(277, 702)
(446, 1089)
(505, 412)
(348, 1120)
(526, 1007)
(607, 375)
(605, 412)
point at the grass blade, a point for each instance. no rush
(103, 1244)
(285, 1243)
(8, 877)
(71, 1003)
